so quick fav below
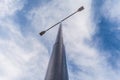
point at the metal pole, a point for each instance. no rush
(80, 9)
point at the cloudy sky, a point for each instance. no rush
(91, 38)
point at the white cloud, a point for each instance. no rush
(111, 10)
(9, 7)
(20, 55)
(7, 68)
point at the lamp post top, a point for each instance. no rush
(43, 32)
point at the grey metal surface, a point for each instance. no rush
(57, 67)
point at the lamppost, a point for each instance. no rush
(43, 32)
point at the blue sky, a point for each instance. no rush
(91, 38)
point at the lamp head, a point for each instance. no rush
(41, 33)
(80, 9)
